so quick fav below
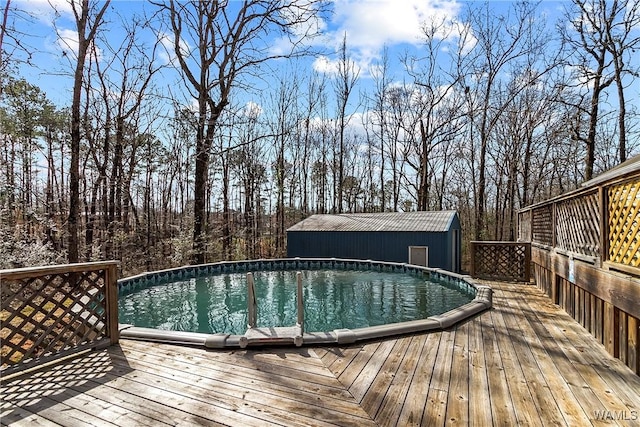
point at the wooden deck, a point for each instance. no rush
(525, 362)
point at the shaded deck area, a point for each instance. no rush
(524, 362)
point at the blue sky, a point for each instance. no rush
(369, 25)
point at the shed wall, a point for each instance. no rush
(379, 246)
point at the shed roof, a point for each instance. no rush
(438, 221)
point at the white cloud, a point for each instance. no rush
(370, 25)
(68, 41)
(46, 11)
(252, 110)
(323, 64)
(304, 26)
(326, 65)
(464, 37)
(168, 54)
(57, 15)
(581, 76)
(373, 23)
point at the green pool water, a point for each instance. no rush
(333, 299)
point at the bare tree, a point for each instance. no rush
(602, 43)
(382, 81)
(16, 45)
(346, 78)
(622, 42)
(315, 88)
(398, 109)
(215, 44)
(320, 167)
(504, 42)
(284, 119)
(135, 67)
(250, 170)
(88, 18)
(3, 31)
(435, 101)
(589, 43)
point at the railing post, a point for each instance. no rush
(554, 226)
(527, 261)
(472, 250)
(111, 294)
(251, 301)
(300, 302)
(604, 224)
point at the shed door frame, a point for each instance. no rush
(419, 255)
(455, 251)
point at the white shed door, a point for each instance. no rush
(419, 255)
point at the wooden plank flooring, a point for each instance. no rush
(525, 362)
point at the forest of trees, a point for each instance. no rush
(500, 110)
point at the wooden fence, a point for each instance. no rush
(501, 260)
(586, 256)
(51, 312)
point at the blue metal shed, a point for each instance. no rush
(432, 239)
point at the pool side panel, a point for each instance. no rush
(158, 335)
(483, 300)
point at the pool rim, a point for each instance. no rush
(482, 301)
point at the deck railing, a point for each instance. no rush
(599, 225)
(586, 256)
(501, 260)
(51, 312)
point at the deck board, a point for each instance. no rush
(532, 373)
(277, 392)
(479, 405)
(558, 387)
(570, 368)
(525, 410)
(372, 401)
(458, 399)
(437, 391)
(396, 395)
(362, 383)
(419, 387)
(501, 403)
(354, 369)
(525, 362)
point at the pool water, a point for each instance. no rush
(333, 299)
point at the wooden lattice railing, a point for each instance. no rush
(578, 225)
(599, 225)
(501, 260)
(48, 312)
(524, 226)
(586, 256)
(542, 225)
(624, 223)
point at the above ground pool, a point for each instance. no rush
(343, 301)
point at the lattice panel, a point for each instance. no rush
(524, 226)
(45, 315)
(542, 223)
(496, 261)
(624, 223)
(578, 225)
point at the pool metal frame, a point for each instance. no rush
(481, 302)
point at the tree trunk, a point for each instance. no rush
(199, 203)
(423, 187)
(84, 41)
